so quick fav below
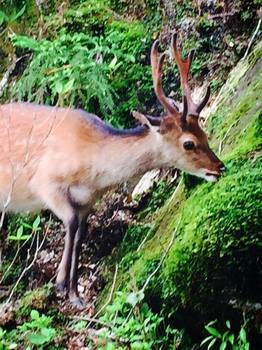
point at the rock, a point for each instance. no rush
(146, 182)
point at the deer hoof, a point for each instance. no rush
(62, 288)
(77, 302)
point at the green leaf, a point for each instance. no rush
(34, 315)
(19, 232)
(228, 324)
(231, 339)
(247, 346)
(243, 335)
(13, 238)
(26, 225)
(113, 63)
(36, 223)
(68, 86)
(211, 344)
(25, 237)
(206, 340)
(213, 331)
(3, 17)
(38, 338)
(25, 42)
(134, 298)
(19, 14)
(225, 335)
(137, 345)
(223, 345)
(58, 86)
(110, 346)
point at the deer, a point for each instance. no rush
(64, 159)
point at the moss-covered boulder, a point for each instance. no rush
(213, 267)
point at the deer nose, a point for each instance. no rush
(222, 167)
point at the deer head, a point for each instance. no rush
(185, 143)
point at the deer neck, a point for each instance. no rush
(127, 157)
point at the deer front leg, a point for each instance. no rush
(73, 290)
(57, 201)
(62, 280)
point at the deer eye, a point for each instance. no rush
(189, 145)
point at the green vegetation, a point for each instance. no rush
(55, 75)
(36, 299)
(192, 253)
(226, 339)
(135, 326)
(37, 333)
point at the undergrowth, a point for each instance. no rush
(95, 55)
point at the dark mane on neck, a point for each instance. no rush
(110, 130)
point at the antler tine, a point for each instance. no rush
(185, 110)
(184, 68)
(202, 104)
(157, 66)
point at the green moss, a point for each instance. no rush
(236, 125)
(89, 16)
(215, 229)
(38, 299)
(249, 140)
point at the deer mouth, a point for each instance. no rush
(213, 177)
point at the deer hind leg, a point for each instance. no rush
(73, 290)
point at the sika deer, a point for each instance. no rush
(64, 159)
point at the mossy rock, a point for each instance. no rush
(214, 265)
(38, 299)
(217, 253)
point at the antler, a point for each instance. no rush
(184, 67)
(157, 65)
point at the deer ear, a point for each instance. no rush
(147, 119)
(167, 124)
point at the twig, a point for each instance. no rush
(7, 74)
(14, 259)
(144, 240)
(171, 198)
(110, 295)
(252, 39)
(175, 192)
(222, 15)
(94, 318)
(162, 258)
(58, 69)
(225, 136)
(156, 270)
(91, 320)
(27, 268)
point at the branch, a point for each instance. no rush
(225, 136)
(252, 39)
(157, 268)
(6, 76)
(93, 319)
(162, 258)
(28, 267)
